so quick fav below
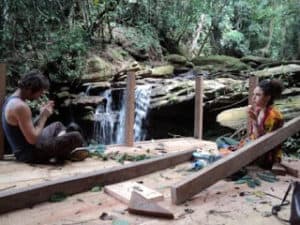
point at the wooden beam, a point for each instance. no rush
(130, 109)
(29, 196)
(232, 163)
(253, 82)
(2, 97)
(198, 119)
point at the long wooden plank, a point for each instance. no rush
(232, 163)
(27, 197)
(2, 97)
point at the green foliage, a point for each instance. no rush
(37, 34)
(55, 35)
(143, 37)
(170, 20)
(66, 54)
(235, 40)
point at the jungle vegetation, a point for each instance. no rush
(57, 34)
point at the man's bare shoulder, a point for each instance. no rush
(17, 104)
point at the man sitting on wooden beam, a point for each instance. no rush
(33, 142)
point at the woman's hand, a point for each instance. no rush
(252, 113)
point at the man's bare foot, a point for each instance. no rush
(79, 154)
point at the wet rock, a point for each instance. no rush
(177, 59)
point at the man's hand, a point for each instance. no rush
(47, 109)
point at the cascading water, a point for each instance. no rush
(109, 125)
(143, 97)
(105, 121)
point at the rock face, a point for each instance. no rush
(173, 88)
(278, 70)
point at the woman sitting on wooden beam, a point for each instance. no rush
(264, 118)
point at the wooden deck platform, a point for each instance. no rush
(222, 203)
(17, 175)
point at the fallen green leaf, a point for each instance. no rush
(58, 197)
(96, 189)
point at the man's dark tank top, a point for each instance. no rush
(19, 145)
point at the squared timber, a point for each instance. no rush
(29, 196)
(232, 163)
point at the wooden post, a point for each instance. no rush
(198, 120)
(130, 109)
(2, 97)
(253, 82)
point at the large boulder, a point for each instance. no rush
(220, 63)
(278, 70)
(256, 60)
(140, 46)
(237, 117)
(98, 70)
(163, 71)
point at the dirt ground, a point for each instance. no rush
(225, 202)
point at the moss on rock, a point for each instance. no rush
(177, 59)
(163, 71)
(221, 62)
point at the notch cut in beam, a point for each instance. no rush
(232, 163)
(29, 196)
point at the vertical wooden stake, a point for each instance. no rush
(253, 82)
(2, 97)
(130, 109)
(198, 120)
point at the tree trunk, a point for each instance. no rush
(205, 40)
(265, 50)
(219, 14)
(197, 34)
(84, 10)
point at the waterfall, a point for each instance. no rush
(105, 120)
(142, 98)
(109, 125)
